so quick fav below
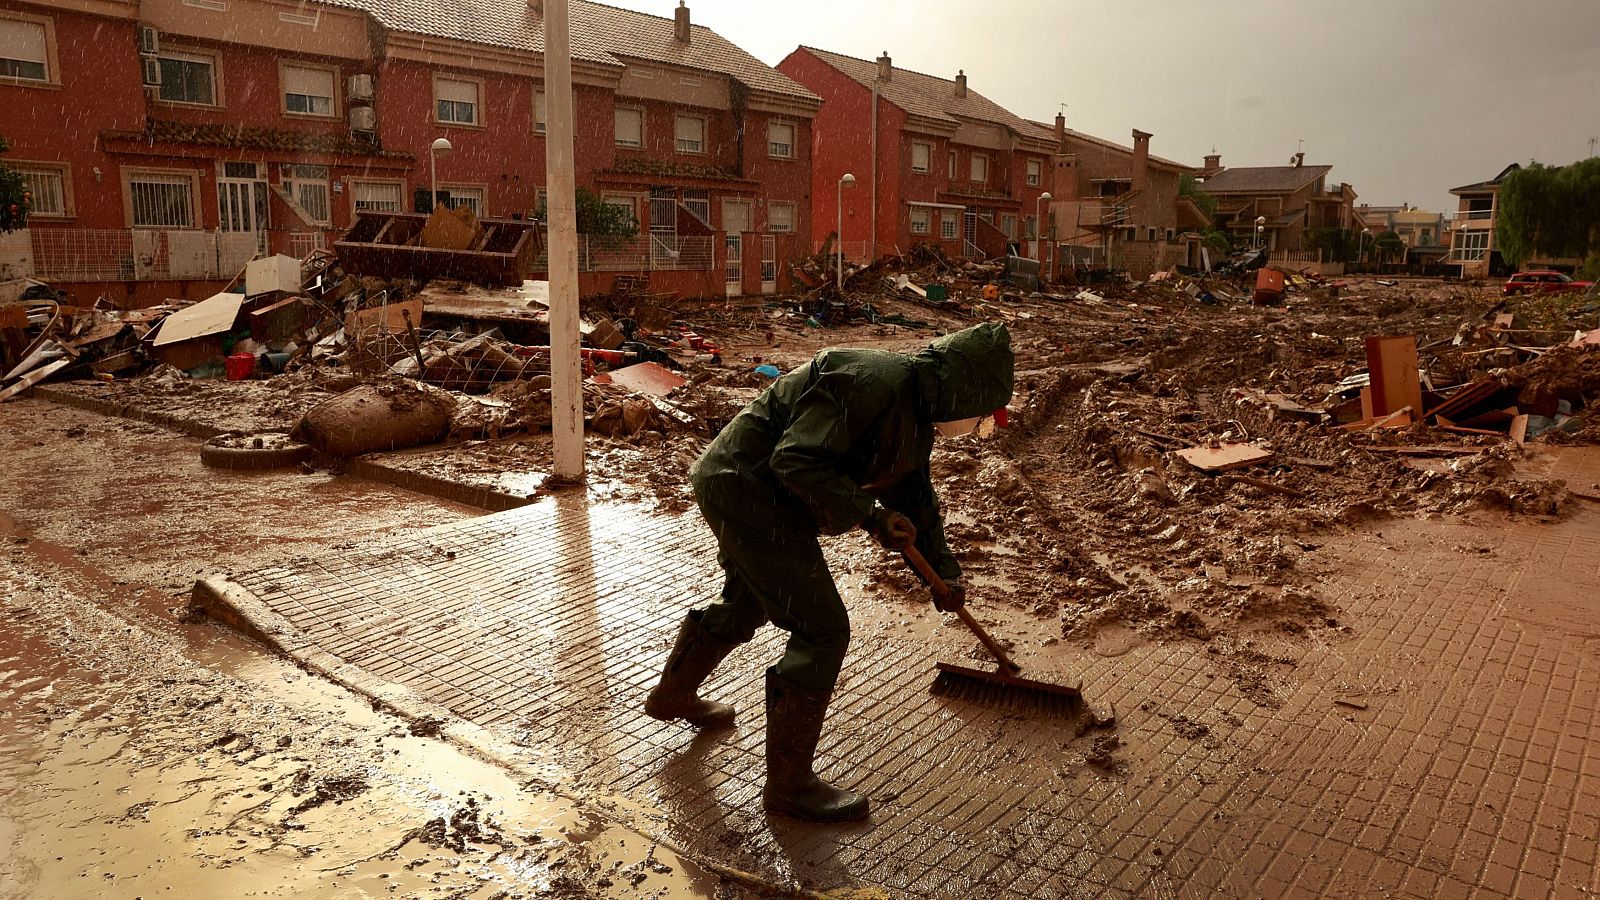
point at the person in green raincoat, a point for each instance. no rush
(839, 443)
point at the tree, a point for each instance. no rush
(1388, 244)
(1189, 186)
(1336, 243)
(598, 218)
(1549, 211)
(15, 198)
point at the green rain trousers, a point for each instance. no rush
(809, 457)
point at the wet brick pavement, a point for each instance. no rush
(1464, 762)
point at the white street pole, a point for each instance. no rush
(566, 367)
(847, 181)
(439, 147)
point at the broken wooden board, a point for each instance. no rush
(1519, 429)
(389, 317)
(1392, 363)
(648, 378)
(1225, 457)
(1467, 398)
(33, 378)
(213, 315)
(275, 273)
(1428, 451)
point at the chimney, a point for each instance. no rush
(1213, 163)
(1299, 159)
(885, 67)
(680, 24)
(1061, 132)
(1141, 158)
(537, 6)
(961, 83)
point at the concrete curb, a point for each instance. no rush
(482, 498)
(221, 600)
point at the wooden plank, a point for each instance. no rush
(1428, 451)
(33, 378)
(1465, 398)
(1519, 429)
(1392, 363)
(1224, 457)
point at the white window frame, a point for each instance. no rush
(617, 120)
(774, 224)
(1008, 226)
(782, 149)
(682, 145)
(284, 68)
(52, 72)
(541, 112)
(949, 226)
(132, 175)
(311, 186)
(955, 165)
(476, 104)
(194, 57)
(927, 157)
(1035, 172)
(358, 185)
(1469, 245)
(978, 161)
(61, 172)
(475, 196)
(921, 220)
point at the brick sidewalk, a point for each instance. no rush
(1467, 763)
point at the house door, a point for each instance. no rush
(242, 198)
(769, 264)
(663, 228)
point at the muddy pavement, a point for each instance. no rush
(141, 756)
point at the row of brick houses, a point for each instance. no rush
(169, 140)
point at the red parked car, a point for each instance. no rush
(1544, 282)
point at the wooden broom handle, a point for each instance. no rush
(942, 590)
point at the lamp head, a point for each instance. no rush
(441, 147)
(848, 180)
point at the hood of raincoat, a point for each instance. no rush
(965, 374)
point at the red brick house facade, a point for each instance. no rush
(934, 161)
(170, 140)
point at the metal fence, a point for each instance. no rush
(1295, 257)
(111, 254)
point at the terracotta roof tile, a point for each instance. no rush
(929, 96)
(1263, 179)
(600, 33)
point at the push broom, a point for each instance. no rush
(1006, 684)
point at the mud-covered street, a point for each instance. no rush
(144, 756)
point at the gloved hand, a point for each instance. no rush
(890, 529)
(956, 599)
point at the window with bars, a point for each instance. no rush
(630, 127)
(308, 90)
(1008, 225)
(24, 50)
(378, 196)
(188, 78)
(691, 134)
(921, 220)
(161, 200)
(457, 101)
(780, 140)
(308, 185)
(48, 185)
(921, 157)
(780, 218)
(464, 196)
(627, 204)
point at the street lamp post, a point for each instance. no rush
(1361, 246)
(1261, 232)
(1038, 223)
(847, 181)
(441, 147)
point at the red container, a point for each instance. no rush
(241, 366)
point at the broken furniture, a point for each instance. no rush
(395, 245)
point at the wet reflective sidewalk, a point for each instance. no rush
(1447, 748)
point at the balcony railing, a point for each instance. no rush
(1473, 215)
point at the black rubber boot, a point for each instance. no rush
(693, 658)
(794, 723)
